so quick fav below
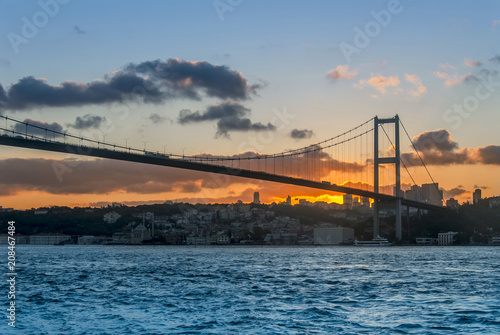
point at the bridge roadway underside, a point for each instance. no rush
(190, 165)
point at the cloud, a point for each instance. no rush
(39, 128)
(440, 140)
(172, 79)
(230, 116)
(341, 72)
(495, 23)
(481, 187)
(225, 125)
(472, 63)
(216, 80)
(488, 155)
(30, 92)
(88, 121)
(415, 80)
(300, 134)
(454, 192)
(438, 148)
(100, 176)
(380, 83)
(447, 66)
(451, 80)
(495, 59)
(157, 118)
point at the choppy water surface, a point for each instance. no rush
(256, 290)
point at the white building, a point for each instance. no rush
(223, 239)
(446, 238)
(495, 239)
(20, 239)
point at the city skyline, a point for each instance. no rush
(261, 77)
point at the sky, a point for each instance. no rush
(216, 75)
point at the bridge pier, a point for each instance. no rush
(387, 160)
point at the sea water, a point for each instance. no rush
(255, 290)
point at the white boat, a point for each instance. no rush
(376, 242)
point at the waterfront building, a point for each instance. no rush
(426, 240)
(49, 238)
(140, 233)
(446, 238)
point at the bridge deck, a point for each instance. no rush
(190, 165)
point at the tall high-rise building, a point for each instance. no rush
(256, 198)
(348, 200)
(414, 193)
(476, 196)
(289, 201)
(432, 194)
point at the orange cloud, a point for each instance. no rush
(415, 80)
(380, 83)
(447, 66)
(451, 80)
(471, 63)
(341, 72)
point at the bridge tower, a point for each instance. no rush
(387, 160)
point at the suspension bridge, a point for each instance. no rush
(354, 162)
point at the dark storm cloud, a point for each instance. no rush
(30, 92)
(87, 121)
(161, 80)
(225, 125)
(230, 116)
(438, 158)
(438, 148)
(216, 80)
(301, 133)
(215, 112)
(489, 154)
(439, 140)
(37, 128)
